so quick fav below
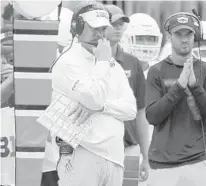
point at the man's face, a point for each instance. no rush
(114, 34)
(182, 41)
(92, 35)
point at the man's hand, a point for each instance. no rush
(80, 114)
(6, 71)
(192, 79)
(184, 76)
(144, 169)
(103, 52)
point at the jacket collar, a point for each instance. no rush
(119, 54)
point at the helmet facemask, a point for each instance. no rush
(145, 47)
(142, 38)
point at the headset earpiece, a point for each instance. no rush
(166, 25)
(110, 15)
(77, 25)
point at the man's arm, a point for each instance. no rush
(6, 89)
(70, 79)
(160, 106)
(142, 131)
(123, 108)
(142, 127)
(199, 94)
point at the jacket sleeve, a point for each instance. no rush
(159, 103)
(140, 86)
(124, 107)
(71, 80)
(199, 94)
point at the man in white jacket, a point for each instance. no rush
(87, 73)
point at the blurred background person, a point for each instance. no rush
(143, 39)
(136, 131)
(6, 82)
(7, 127)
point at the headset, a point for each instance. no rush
(77, 23)
(198, 38)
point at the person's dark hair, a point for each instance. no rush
(8, 12)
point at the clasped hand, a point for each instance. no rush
(80, 114)
(187, 76)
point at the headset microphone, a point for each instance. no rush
(195, 13)
(88, 43)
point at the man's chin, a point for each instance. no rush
(94, 43)
(184, 52)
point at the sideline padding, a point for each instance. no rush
(34, 53)
(32, 90)
(131, 163)
(35, 43)
(36, 25)
(35, 48)
(28, 132)
(28, 171)
(7, 158)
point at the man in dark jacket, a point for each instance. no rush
(176, 107)
(136, 132)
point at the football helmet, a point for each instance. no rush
(142, 37)
(197, 52)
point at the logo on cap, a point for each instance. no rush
(102, 14)
(182, 20)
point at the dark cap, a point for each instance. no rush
(182, 21)
(117, 13)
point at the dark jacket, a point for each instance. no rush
(178, 137)
(134, 72)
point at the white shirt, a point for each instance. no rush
(96, 85)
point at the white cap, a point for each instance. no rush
(96, 18)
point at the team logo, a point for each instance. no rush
(102, 14)
(169, 82)
(182, 20)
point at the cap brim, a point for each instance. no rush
(99, 22)
(182, 27)
(120, 16)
